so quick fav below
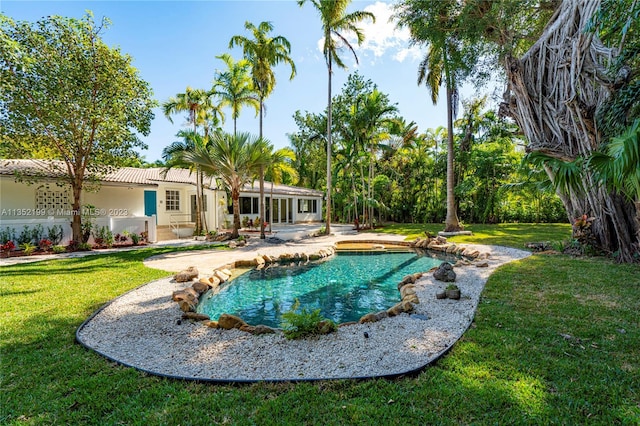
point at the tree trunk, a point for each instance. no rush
(235, 197)
(451, 223)
(328, 201)
(76, 218)
(199, 210)
(553, 92)
(262, 236)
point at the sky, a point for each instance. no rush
(174, 44)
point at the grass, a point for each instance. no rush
(555, 341)
(506, 234)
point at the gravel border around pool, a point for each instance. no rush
(140, 329)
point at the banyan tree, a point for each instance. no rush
(569, 91)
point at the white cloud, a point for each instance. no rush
(382, 37)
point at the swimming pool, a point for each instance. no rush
(344, 287)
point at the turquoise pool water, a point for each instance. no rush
(344, 287)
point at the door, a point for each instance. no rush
(283, 210)
(276, 210)
(150, 206)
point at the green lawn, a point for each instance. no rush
(506, 234)
(555, 341)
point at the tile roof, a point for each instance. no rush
(139, 176)
(128, 175)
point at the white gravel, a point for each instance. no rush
(140, 329)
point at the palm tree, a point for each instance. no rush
(279, 165)
(200, 107)
(236, 159)
(234, 87)
(431, 70)
(264, 52)
(335, 20)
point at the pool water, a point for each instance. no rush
(345, 287)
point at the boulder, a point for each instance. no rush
(245, 262)
(201, 287)
(263, 329)
(368, 318)
(314, 256)
(241, 243)
(247, 328)
(186, 275)
(482, 265)
(220, 275)
(229, 322)
(259, 261)
(286, 257)
(380, 315)
(233, 244)
(195, 316)
(215, 281)
(187, 294)
(211, 324)
(407, 289)
(226, 271)
(188, 305)
(445, 273)
(413, 298)
(399, 308)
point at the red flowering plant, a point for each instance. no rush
(8, 246)
(45, 244)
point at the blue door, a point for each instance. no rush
(150, 207)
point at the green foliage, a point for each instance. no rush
(85, 246)
(55, 234)
(59, 249)
(25, 235)
(28, 248)
(298, 325)
(103, 236)
(7, 234)
(90, 119)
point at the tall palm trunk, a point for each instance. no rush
(328, 201)
(452, 223)
(262, 236)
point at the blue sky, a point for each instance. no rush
(175, 44)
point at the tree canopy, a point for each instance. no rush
(66, 95)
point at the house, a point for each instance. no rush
(138, 200)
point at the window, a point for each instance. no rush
(172, 200)
(307, 206)
(56, 199)
(248, 205)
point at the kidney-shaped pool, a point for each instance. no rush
(344, 287)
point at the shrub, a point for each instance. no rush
(7, 234)
(55, 234)
(28, 248)
(37, 234)
(8, 246)
(245, 222)
(45, 244)
(84, 247)
(59, 249)
(135, 238)
(25, 235)
(305, 323)
(103, 235)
